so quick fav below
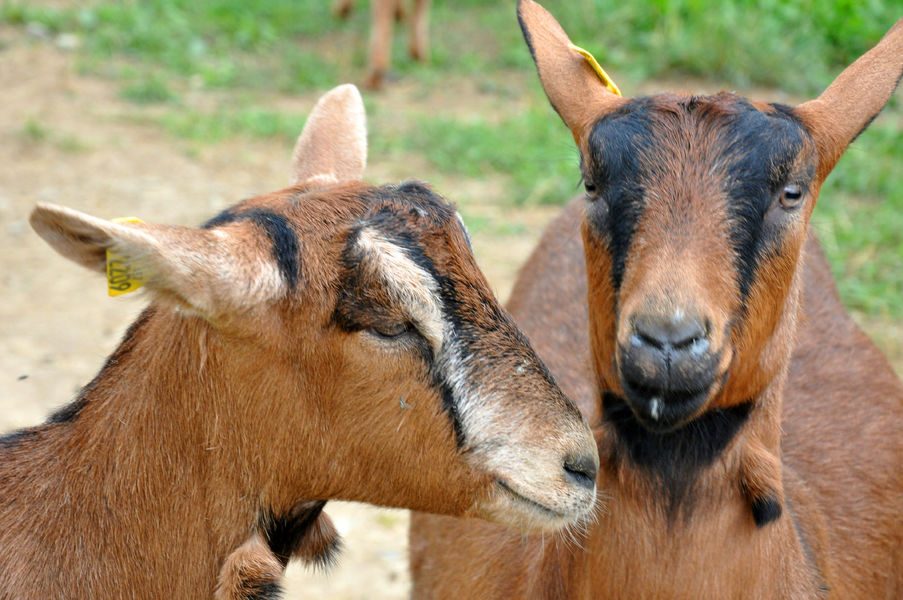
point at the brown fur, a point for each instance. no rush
(819, 386)
(383, 14)
(246, 394)
(251, 572)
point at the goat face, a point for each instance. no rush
(410, 356)
(697, 212)
(365, 355)
(698, 208)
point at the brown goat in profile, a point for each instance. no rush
(331, 340)
(749, 433)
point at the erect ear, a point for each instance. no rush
(333, 145)
(847, 107)
(574, 89)
(213, 272)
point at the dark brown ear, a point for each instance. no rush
(576, 92)
(847, 107)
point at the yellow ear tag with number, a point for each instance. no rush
(123, 276)
(612, 87)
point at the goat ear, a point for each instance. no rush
(212, 272)
(333, 145)
(848, 105)
(574, 89)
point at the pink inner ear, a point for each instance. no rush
(333, 145)
(73, 235)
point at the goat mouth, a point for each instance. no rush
(537, 506)
(662, 411)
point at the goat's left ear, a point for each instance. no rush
(847, 107)
(212, 272)
(572, 86)
(333, 145)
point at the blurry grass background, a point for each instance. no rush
(207, 71)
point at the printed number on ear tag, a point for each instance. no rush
(123, 276)
(612, 87)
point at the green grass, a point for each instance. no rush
(223, 124)
(533, 149)
(860, 220)
(151, 90)
(297, 44)
(34, 131)
(246, 51)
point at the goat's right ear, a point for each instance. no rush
(211, 272)
(333, 145)
(847, 107)
(574, 89)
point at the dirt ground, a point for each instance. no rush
(83, 149)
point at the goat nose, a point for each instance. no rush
(675, 331)
(582, 469)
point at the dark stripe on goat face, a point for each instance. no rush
(400, 213)
(285, 246)
(364, 304)
(617, 143)
(414, 219)
(761, 150)
(631, 149)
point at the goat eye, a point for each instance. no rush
(589, 187)
(791, 196)
(390, 331)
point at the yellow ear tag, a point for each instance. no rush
(123, 277)
(612, 87)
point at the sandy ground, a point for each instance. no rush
(56, 322)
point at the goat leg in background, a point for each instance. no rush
(419, 43)
(251, 572)
(342, 8)
(256, 568)
(382, 21)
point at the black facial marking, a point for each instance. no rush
(285, 533)
(356, 310)
(70, 412)
(758, 150)
(223, 218)
(765, 510)
(393, 206)
(761, 149)
(616, 145)
(286, 248)
(674, 459)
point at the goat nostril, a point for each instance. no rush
(667, 331)
(582, 470)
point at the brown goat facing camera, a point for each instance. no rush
(749, 432)
(333, 340)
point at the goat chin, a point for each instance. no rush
(525, 512)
